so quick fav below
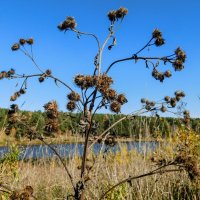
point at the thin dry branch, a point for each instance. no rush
(156, 171)
(135, 57)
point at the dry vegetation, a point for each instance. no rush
(47, 176)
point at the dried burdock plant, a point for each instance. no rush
(25, 194)
(71, 106)
(69, 23)
(15, 47)
(51, 110)
(186, 154)
(30, 41)
(73, 96)
(94, 92)
(22, 41)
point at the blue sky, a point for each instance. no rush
(68, 56)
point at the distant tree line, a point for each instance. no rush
(70, 123)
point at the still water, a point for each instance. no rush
(69, 150)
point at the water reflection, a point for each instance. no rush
(69, 150)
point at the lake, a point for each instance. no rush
(69, 150)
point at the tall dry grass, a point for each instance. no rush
(50, 182)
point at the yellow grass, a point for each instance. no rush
(50, 182)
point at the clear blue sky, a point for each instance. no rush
(67, 56)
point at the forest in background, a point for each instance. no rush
(69, 123)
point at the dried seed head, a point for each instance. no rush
(51, 110)
(103, 83)
(178, 65)
(51, 106)
(167, 98)
(190, 164)
(122, 99)
(11, 72)
(30, 41)
(24, 196)
(12, 114)
(163, 109)
(17, 94)
(155, 73)
(178, 98)
(15, 47)
(13, 98)
(159, 41)
(22, 41)
(52, 125)
(7, 74)
(192, 168)
(29, 189)
(186, 112)
(4, 74)
(168, 74)
(179, 93)
(73, 96)
(173, 102)
(22, 91)
(15, 195)
(61, 27)
(143, 100)
(41, 79)
(152, 104)
(69, 23)
(110, 141)
(186, 118)
(71, 105)
(89, 81)
(48, 72)
(112, 16)
(79, 80)
(148, 102)
(161, 77)
(148, 107)
(110, 94)
(121, 12)
(156, 33)
(115, 107)
(180, 54)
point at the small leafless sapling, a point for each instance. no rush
(94, 91)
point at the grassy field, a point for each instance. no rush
(50, 182)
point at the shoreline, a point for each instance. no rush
(7, 141)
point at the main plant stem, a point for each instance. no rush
(88, 128)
